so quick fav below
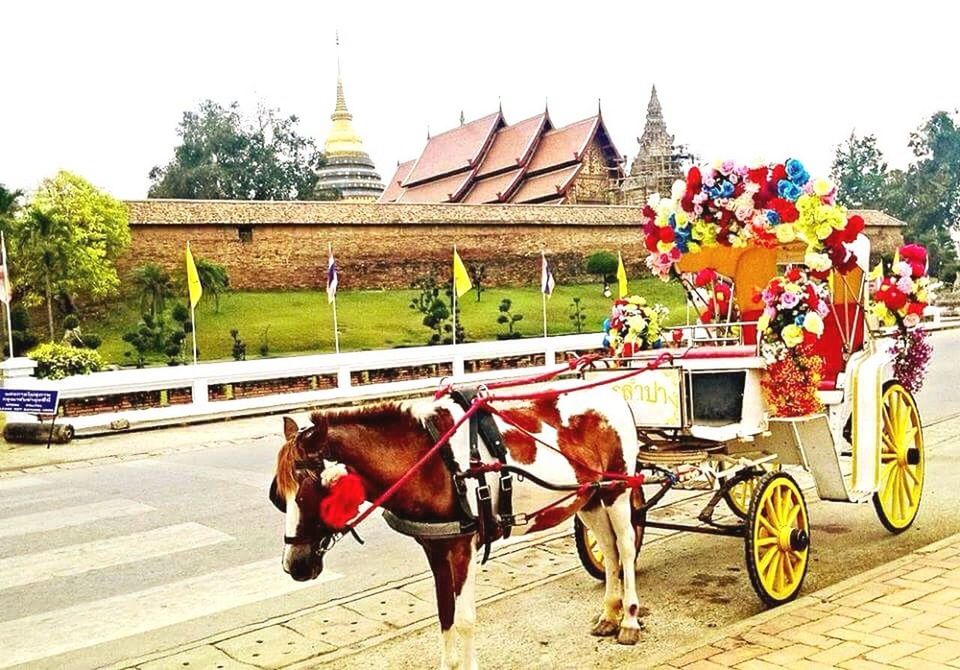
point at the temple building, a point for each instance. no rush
(490, 161)
(658, 163)
(349, 169)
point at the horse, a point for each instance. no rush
(566, 438)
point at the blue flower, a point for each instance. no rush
(727, 190)
(682, 238)
(773, 217)
(788, 190)
(799, 319)
(796, 172)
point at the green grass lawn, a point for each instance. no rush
(302, 321)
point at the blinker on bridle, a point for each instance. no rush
(322, 542)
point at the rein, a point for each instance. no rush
(483, 401)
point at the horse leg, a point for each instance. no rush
(594, 516)
(449, 562)
(620, 515)
(465, 615)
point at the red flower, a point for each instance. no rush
(854, 227)
(916, 308)
(758, 175)
(343, 501)
(706, 316)
(666, 234)
(704, 277)
(809, 338)
(779, 173)
(916, 256)
(793, 273)
(785, 209)
(893, 298)
(694, 178)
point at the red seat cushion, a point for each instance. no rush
(843, 322)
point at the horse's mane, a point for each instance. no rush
(371, 416)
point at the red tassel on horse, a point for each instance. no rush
(342, 503)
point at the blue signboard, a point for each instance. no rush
(28, 401)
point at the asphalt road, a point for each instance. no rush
(104, 563)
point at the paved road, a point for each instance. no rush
(103, 563)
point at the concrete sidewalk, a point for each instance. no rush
(905, 614)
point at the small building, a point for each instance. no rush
(488, 161)
(349, 170)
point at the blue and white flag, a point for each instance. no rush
(332, 279)
(547, 283)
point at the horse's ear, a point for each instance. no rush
(321, 424)
(290, 428)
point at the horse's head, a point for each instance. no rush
(316, 494)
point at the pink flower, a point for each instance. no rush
(789, 300)
(727, 167)
(823, 308)
(905, 284)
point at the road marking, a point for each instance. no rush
(51, 633)
(45, 496)
(10, 483)
(70, 516)
(255, 478)
(79, 558)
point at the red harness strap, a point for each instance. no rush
(631, 481)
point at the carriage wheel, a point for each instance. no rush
(738, 498)
(897, 498)
(588, 549)
(778, 538)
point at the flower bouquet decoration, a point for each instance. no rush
(898, 299)
(791, 323)
(634, 326)
(735, 205)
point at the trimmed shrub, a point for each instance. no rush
(56, 361)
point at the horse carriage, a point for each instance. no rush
(704, 424)
(782, 370)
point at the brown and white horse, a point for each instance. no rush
(593, 431)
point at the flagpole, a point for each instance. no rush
(336, 327)
(454, 285)
(543, 291)
(193, 320)
(9, 292)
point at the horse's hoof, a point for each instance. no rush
(604, 628)
(628, 636)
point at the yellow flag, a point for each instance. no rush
(461, 279)
(194, 287)
(877, 272)
(622, 277)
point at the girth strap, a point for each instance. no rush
(429, 529)
(482, 425)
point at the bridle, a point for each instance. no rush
(321, 540)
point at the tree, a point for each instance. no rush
(214, 279)
(478, 275)
(154, 287)
(222, 155)
(66, 241)
(929, 193)
(603, 264)
(860, 172)
(508, 319)
(9, 203)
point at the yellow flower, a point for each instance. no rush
(664, 247)
(822, 186)
(762, 323)
(815, 261)
(813, 323)
(823, 230)
(785, 233)
(792, 335)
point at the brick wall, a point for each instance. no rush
(267, 245)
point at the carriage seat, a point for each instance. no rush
(714, 351)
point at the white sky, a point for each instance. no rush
(99, 88)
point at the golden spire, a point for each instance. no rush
(342, 138)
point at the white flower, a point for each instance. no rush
(332, 473)
(679, 188)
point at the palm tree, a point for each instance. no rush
(8, 202)
(214, 279)
(154, 286)
(42, 253)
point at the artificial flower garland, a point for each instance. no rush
(634, 325)
(736, 205)
(791, 323)
(898, 299)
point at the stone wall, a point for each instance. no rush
(284, 245)
(266, 245)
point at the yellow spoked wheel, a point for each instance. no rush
(738, 498)
(588, 549)
(778, 538)
(897, 499)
